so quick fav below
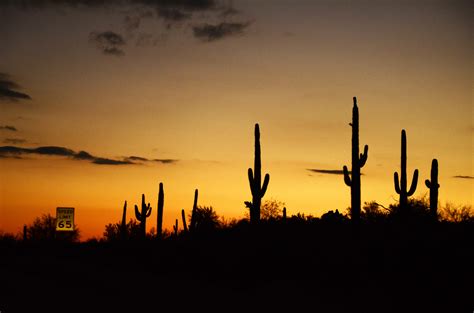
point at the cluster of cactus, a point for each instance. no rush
(351, 178)
(358, 161)
(255, 180)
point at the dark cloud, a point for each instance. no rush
(14, 141)
(210, 32)
(173, 15)
(136, 158)
(18, 152)
(463, 177)
(165, 161)
(8, 128)
(330, 172)
(108, 42)
(7, 89)
(104, 161)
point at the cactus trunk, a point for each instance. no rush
(123, 225)
(358, 161)
(255, 179)
(401, 184)
(185, 225)
(433, 185)
(192, 225)
(159, 219)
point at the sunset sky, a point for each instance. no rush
(182, 84)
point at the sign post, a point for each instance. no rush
(64, 219)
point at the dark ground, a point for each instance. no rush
(282, 268)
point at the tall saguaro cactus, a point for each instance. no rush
(401, 184)
(159, 219)
(255, 181)
(358, 161)
(123, 225)
(433, 185)
(192, 225)
(143, 215)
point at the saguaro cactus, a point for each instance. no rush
(358, 161)
(143, 215)
(123, 225)
(192, 225)
(433, 185)
(185, 225)
(175, 228)
(159, 219)
(401, 184)
(255, 180)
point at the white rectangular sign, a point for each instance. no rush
(64, 219)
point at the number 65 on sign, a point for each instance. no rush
(64, 219)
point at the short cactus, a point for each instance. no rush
(401, 184)
(433, 185)
(175, 228)
(143, 215)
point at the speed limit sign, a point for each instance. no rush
(64, 219)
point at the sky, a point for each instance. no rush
(100, 101)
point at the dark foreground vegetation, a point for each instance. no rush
(387, 263)
(409, 257)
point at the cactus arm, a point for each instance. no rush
(347, 178)
(251, 180)
(148, 210)
(413, 184)
(428, 183)
(265, 185)
(396, 181)
(137, 213)
(363, 156)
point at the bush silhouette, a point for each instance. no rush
(114, 231)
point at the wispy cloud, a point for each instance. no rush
(8, 90)
(108, 42)
(14, 141)
(463, 177)
(213, 32)
(18, 152)
(329, 172)
(9, 128)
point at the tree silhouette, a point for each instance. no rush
(43, 228)
(206, 219)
